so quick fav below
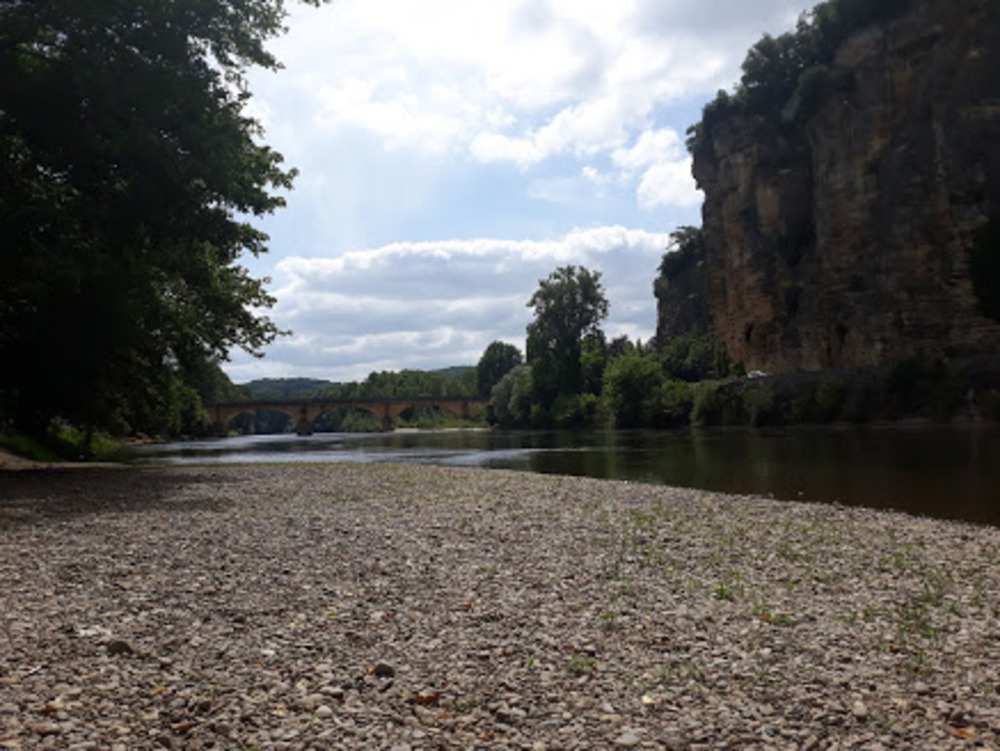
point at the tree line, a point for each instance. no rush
(130, 173)
(573, 377)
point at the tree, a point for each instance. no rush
(129, 171)
(593, 360)
(687, 247)
(510, 399)
(498, 359)
(694, 357)
(631, 385)
(569, 305)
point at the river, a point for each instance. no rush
(946, 472)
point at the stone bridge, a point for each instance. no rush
(305, 411)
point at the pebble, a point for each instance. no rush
(628, 739)
(859, 710)
(383, 670)
(119, 647)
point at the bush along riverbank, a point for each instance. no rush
(644, 395)
(381, 606)
(915, 388)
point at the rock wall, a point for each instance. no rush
(842, 239)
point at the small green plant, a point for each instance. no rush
(580, 665)
(779, 619)
(609, 621)
(724, 591)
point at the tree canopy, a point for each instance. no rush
(130, 173)
(498, 359)
(569, 305)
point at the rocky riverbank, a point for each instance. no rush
(405, 607)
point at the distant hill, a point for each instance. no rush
(456, 372)
(283, 388)
(299, 388)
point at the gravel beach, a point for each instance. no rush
(413, 607)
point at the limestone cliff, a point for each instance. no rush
(840, 237)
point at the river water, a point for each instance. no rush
(946, 472)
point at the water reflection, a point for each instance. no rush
(939, 471)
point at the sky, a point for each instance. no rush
(453, 153)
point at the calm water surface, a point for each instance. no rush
(937, 471)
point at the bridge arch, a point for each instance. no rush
(337, 416)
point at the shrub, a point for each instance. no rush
(631, 385)
(675, 401)
(511, 398)
(692, 357)
(707, 408)
(578, 411)
(358, 421)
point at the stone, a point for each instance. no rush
(859, 710)
(119, 647)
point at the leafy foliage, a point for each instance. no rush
(687, 246)
(569, 306)
(457, 381)
(347, 420)
(593, 361)
(498, 359)
(511, 398)
(692, 357)
(128, 168)
(283, 388)
(631, 386)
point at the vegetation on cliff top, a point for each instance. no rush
(800, 62)
(687, 246)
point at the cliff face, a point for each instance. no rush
(842, 239)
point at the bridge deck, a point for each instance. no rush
(305, 411)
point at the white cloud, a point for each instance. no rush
(435, 304)
(494, 147)
(668, 184)
(665, 168)
(516, 81)
(652, 147)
